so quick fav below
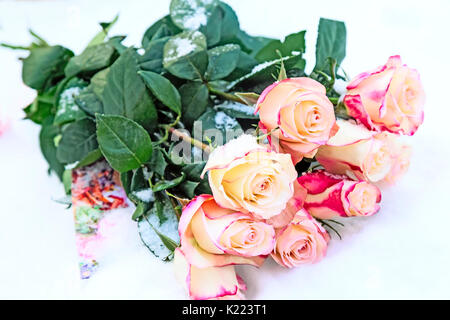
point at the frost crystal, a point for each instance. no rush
(197, 19)
(223, 121)
(238, 107)
(145, 195)
(66, 100)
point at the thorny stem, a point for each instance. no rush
(166, 130)
(189, 139)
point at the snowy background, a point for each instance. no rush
(403, 252)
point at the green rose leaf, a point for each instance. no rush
(98, 82)
(125, 180)
(46, 140)
(194, 184)
(264, 71)
(67, 109)
(156, 30)
(139, 211)
(194, 100)
(89, 102)
(230, 23)
(124, 143)
(158, 229)
(139, 190)
(125, 93)
(185, 55)
(245, 65)
(237, 110)
(191, 14)
(116, 42)
(213, 28)
(163, 90)
(100, 37)
(44, 65)
(152, 59)
(164, 185)
(90, 158)
(293, 44)
(42, 107)
(251, 44)
(222, 61)
(93, 58)
(89, 99)
(219, 127)
(269, 51)
(78, 140)
(331, 43)
(158, 162)
(189, 187)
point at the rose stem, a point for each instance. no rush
(228, 96)
(191, 140)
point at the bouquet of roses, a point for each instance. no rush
(230, 152)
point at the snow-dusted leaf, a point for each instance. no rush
(185, 55)
(219, 127)
(158, 229)
(191, 14)
(222, 61)
(68, 110)
(266, 69)
(237, 110)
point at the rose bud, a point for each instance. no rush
(390, 98)
(209, 282)
(302, 241)
(298, 115)
(248, 177)
(332, 196)
(207, 242)
(356, 152)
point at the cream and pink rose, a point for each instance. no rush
(390, 98)
(213, 239)
(356, 152)
(400, 155)
(302, 241)
(332, 196)
(219, 283)
(292, 207)
(298, 115)
(248, 177)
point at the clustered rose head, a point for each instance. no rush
(356, 152)
(255, 197)
(390, 98)
(299, 116)
(330, 196)
(260, 207)
(213, 240)
(249, 177)
(302, 241)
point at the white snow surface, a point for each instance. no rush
(400, 253)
